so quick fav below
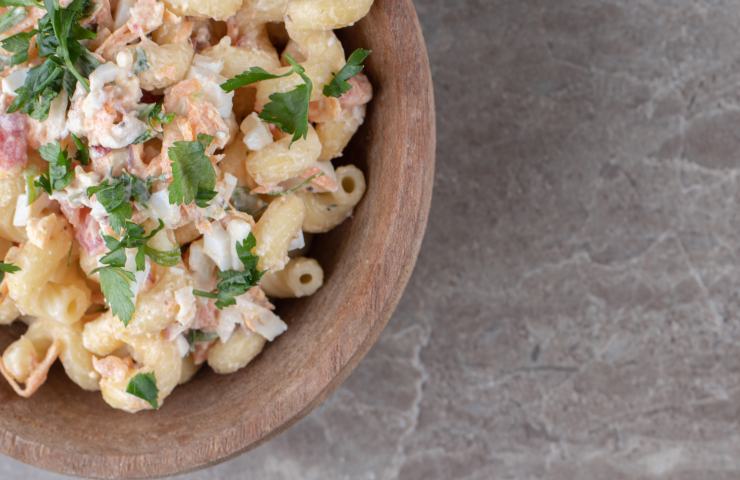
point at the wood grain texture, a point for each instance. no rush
(368, 261)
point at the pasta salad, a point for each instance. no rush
(163, 167)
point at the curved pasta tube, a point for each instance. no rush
(102, 336)
(302, 277)
(10, 188)
(335, 135)
(76, 360)
(327, 14)
(174, 29)
(151, 354)
(240, 349)
(234, 161)
(238, 59)
(276, 229)
(189, 369)
(324, 211)
(248, 28)
(165, 64)
(319, 48)
(263, 11)
(215, 9)
(21, 363)
(49, 284)
(8, 311)
(28, 359)
(279, 161)
(156, 307)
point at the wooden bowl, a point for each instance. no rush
(368, 261)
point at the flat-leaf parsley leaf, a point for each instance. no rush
(287, 110)
(60, 171)
(193, 175)
(7, 268)
(144, 386)
(339, 84)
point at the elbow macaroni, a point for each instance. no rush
(267, 186)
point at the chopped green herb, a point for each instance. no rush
(60, 173)
(18, 45)
(115, 196)
(11, 18)
(233, 283)
(193, 175)
(67, 61)
(141, 63)
(253, 75)
(199, 336)
(144, 386)
(152, 114)
(7, 268)
(339, 84)
(288, 110)
(83, 152)
(115, 280)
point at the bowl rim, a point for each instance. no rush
(236, 442)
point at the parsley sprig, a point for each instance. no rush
(153, 115)
(144, 386)
(7, 268)
(67, 61)
(288, 110)
(61, 169)
(193, 175)
(232, 283)
(116, 194)
(115, 280)
(60, 172)
(339, 84)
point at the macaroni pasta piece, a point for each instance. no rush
(153, 202)
(302, 277)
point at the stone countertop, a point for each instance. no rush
(574, 311)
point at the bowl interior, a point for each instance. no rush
(367, 260)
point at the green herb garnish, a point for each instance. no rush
(154, 117)
(7, 268)
(60, 173)
(288, 110)
(115, 280)
(193, 175)
(199, 336)
(339, 84)
(83, 152)
(115, 195)
(67, 61)
(144, 386)
(232, 283)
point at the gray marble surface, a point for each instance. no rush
(574, 314)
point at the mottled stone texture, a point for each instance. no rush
(574, 314)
